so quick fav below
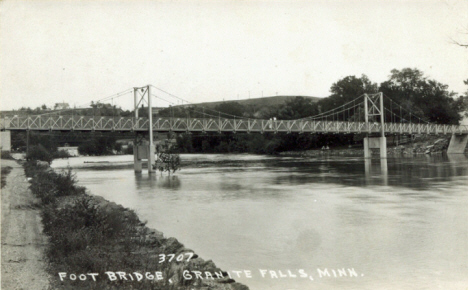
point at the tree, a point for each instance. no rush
(462, 43)
(102, 109)
(39, 153)
(206, 146)
(184, 143)
(351, 87)
(299, 107)
(168, 162)
(346, 90)
(422, 97)
(99, 145)
(462, 102)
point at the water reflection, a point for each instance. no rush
(418, 172)
(153, 181)
(170, 182)
(143, 181)
(456, 161)
(376, 171)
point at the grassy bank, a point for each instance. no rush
(96, 244)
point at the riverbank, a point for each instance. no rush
(97, 244)
(424, 144)
(23, 244)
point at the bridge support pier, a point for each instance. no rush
(375, 142)
(457, 144)
(137, 162)
(383, 147)
(367, 151)
(140, 153)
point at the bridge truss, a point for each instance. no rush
(132, 124)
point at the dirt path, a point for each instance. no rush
(23, 265)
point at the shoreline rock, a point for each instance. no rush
(421, 145)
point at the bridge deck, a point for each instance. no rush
(77, 123)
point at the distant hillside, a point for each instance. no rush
(257, 102)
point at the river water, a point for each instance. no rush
(398, 224)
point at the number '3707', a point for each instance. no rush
(172, 257)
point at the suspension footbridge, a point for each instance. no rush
(365, 114)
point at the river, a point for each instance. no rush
(398, 224)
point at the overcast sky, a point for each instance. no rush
(79, 51)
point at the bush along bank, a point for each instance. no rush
(97, 244)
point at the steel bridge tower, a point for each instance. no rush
(373, 107)
(143, 149)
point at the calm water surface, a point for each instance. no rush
(399, 226)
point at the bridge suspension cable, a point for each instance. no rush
(219, 113)
(335, 111)
(400, 115)
(202, 112)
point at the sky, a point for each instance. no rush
(200, 50)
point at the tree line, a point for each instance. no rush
(412, 93)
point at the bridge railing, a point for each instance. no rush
(89, 123)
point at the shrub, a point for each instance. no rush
(31, 168)
(39, 153)
(61, 154)
(73, 227)
(5, 155)
(49, 185)
(168, 162)
(66, 184)
(44, 187)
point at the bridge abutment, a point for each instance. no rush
(5, 138)
(457, 144)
